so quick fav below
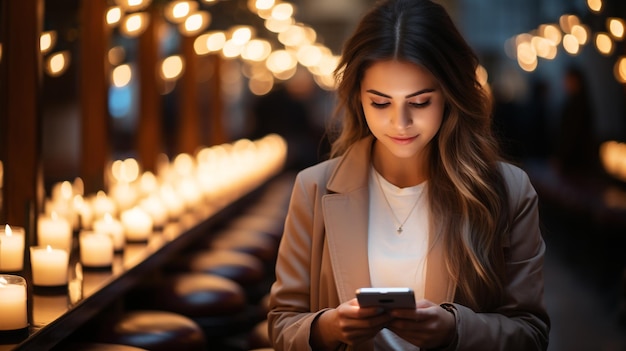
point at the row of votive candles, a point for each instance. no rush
(49, 260)
(215, 174)
(49, 264)
(134, 225)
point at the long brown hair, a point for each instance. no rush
(468, 197)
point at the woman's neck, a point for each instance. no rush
(401, 172)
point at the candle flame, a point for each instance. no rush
(3, 282)
(7, 230)
(49, 248)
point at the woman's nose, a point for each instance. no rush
(401, 117)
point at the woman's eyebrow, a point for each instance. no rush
(423, 91)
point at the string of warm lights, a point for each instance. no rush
(263, 64)
(572, 35)
(613, 156)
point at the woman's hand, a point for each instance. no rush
(348, 324)
(428, 326)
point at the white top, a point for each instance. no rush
(397, 259)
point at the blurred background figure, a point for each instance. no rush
(291, 110)
(537, 139)
(576, 148)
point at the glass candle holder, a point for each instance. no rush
(13, 303)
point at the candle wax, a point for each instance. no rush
(49, 266)
(96, 250)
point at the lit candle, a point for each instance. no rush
(84, 212)
(96, 249)
(62, 209)
(62, 192)
(49, 266)
(137, 224)
(13, 302)
(60, 201)
(102, 204)
(114, 228)
(11, 249)
(172, 201)
(124, 195)
(189, 191)
(54, 231)
(156, 209)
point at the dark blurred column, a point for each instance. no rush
(93, 82)
(216, 124)
(188, 119)
(20, 112)
(150, 128)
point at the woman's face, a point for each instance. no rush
(403, 106)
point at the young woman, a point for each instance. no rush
(414, 195)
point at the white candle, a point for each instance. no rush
(102, 204)
(96, 249)
(54, 231)
(137, 224)
(62, 191)
(111, 226)
(62, 209)
(13, 302)
(172, 201)
(84, 212)
(11, 249)
(49, 266)
(156, 209)
(124, 195)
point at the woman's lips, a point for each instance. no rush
(403, 140)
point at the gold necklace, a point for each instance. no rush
(399, 230)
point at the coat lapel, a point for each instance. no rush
(346, 212)
(346, 232)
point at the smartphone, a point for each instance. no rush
(388, 298)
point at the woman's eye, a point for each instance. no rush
(419, 104)
(379, 105)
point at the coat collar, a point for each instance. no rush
(353, 169)
(346, 212)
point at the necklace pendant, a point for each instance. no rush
(399, 231)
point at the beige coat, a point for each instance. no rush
(323, 260)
